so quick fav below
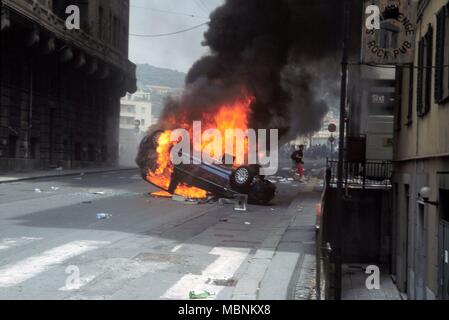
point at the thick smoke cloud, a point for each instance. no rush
(284, 52)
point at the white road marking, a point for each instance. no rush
(176, 248)
(13, 274)
(223, 268)
(8, 243)
(82, 282)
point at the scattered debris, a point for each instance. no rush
(178, 198)
(240, 202)
(199, 295)
(37, 190)
(191, 201)
(103, 216)
(161, 194)
(223, 282)
(210, 199)
(223, 201)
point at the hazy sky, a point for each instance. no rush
(176, 52)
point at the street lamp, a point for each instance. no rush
(425, 194)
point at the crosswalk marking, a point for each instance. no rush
(8, 243)
(13, 274)
(223, 268)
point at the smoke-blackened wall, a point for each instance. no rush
(284, 52)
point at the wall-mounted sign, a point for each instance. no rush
(390, 37)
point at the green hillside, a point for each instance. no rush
(148, 75)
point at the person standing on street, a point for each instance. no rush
(297, 156)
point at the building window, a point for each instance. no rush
(77, 151)
(101, 23)
(399, 100)
(444, 204)
(12, 146)
(34, 148)
(442, 56)
(424, 73)
(411, 79)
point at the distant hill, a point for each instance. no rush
(148, 75)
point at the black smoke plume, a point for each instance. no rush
(285, 52)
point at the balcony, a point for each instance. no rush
(368, 175)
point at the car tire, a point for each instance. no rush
(241, 179)
(262, 192)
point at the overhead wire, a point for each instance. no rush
(170, 12)
(169, 33)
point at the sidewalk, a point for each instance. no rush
(9, 177)
(284, 267)
(354, 285)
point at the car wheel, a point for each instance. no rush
(262, 192)
(241, 179)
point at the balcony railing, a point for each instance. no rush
(371, 174)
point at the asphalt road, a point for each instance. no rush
(52, 246)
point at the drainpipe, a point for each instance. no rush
(341, 158)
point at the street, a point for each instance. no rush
(52, 246)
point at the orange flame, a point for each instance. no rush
(234, 115)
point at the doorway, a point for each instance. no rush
(420, 254)
(51, 136)
(444, 244)
(406, 235)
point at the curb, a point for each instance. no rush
(61, 175)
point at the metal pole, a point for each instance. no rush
(341, 146)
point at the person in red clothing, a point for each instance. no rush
(298, 156)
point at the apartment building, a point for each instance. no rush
(61, 88)
(421, 161)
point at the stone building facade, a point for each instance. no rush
(61, 89)
(421, 161)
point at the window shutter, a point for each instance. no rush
(419, 88)
(398, 106)
(429, 69)
(411, 93)
(439, 56)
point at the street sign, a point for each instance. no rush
(392, 42)
(332, 128)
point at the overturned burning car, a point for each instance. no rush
(199, 179)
